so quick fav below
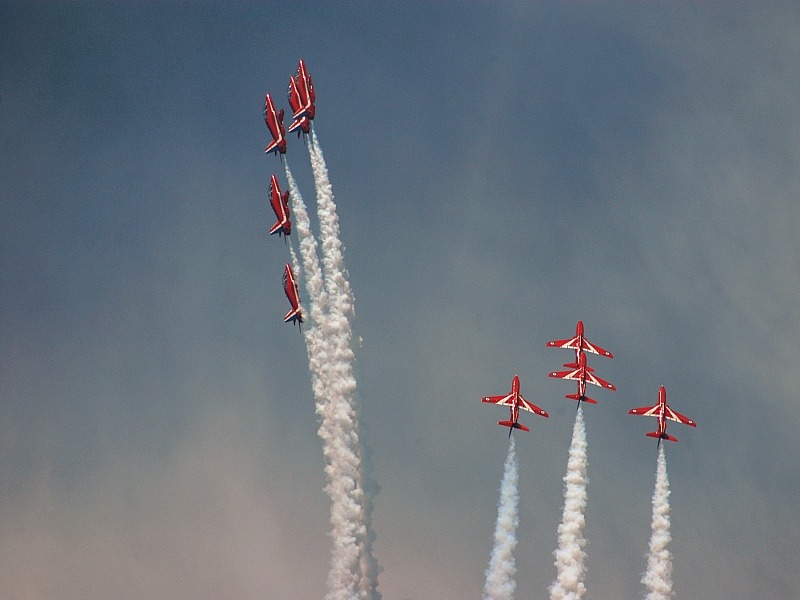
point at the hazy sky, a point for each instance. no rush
(501, 170)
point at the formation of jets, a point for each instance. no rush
(582, 373)
(579, 371)
(301, 100)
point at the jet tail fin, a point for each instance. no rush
(581, 398)
(293, 315)
(663, 436)
(300, 113)
(573, 365)
(513, 425)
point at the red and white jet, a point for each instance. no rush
(301, 99)
(274, 121)
(293, 294)
(662, 412)
(579, 343)
(280, 204)
(514, 401)
(583, 374)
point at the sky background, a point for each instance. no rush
(501, 170)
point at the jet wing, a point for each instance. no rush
(524, 404)
(576, 344)
(276, 228)
(271, 147)
(574, 374)
(570, 343)
(595, 380)
(578, 374)
(283, 226)
(679, 418)
(645, 411)
(303, 124)
(587, 346)
(507, 400)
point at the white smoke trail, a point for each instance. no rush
(370, 568)
(658, 577)
(341, 465)
(332, 252)
(311, 273)
(308, 251)
(339, 332)
(500, 582)
(570, 556)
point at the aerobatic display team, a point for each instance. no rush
(354, 569)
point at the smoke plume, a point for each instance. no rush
(353, 572)
(570, 556)
(500, 582)
(658, 577)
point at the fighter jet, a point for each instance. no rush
(662, 412)
(274, 121)
(583, 374)
(293, 294)
(280, 204)
(301, 100)
(514, 401)
(578, 343)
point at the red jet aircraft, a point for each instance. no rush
(301, 99)
(515, 401)
(579, 343)
(274, 121)
(293, 294)
(583, 374)
(662, 412)
(280, 204)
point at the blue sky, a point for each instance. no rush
(501, 171)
